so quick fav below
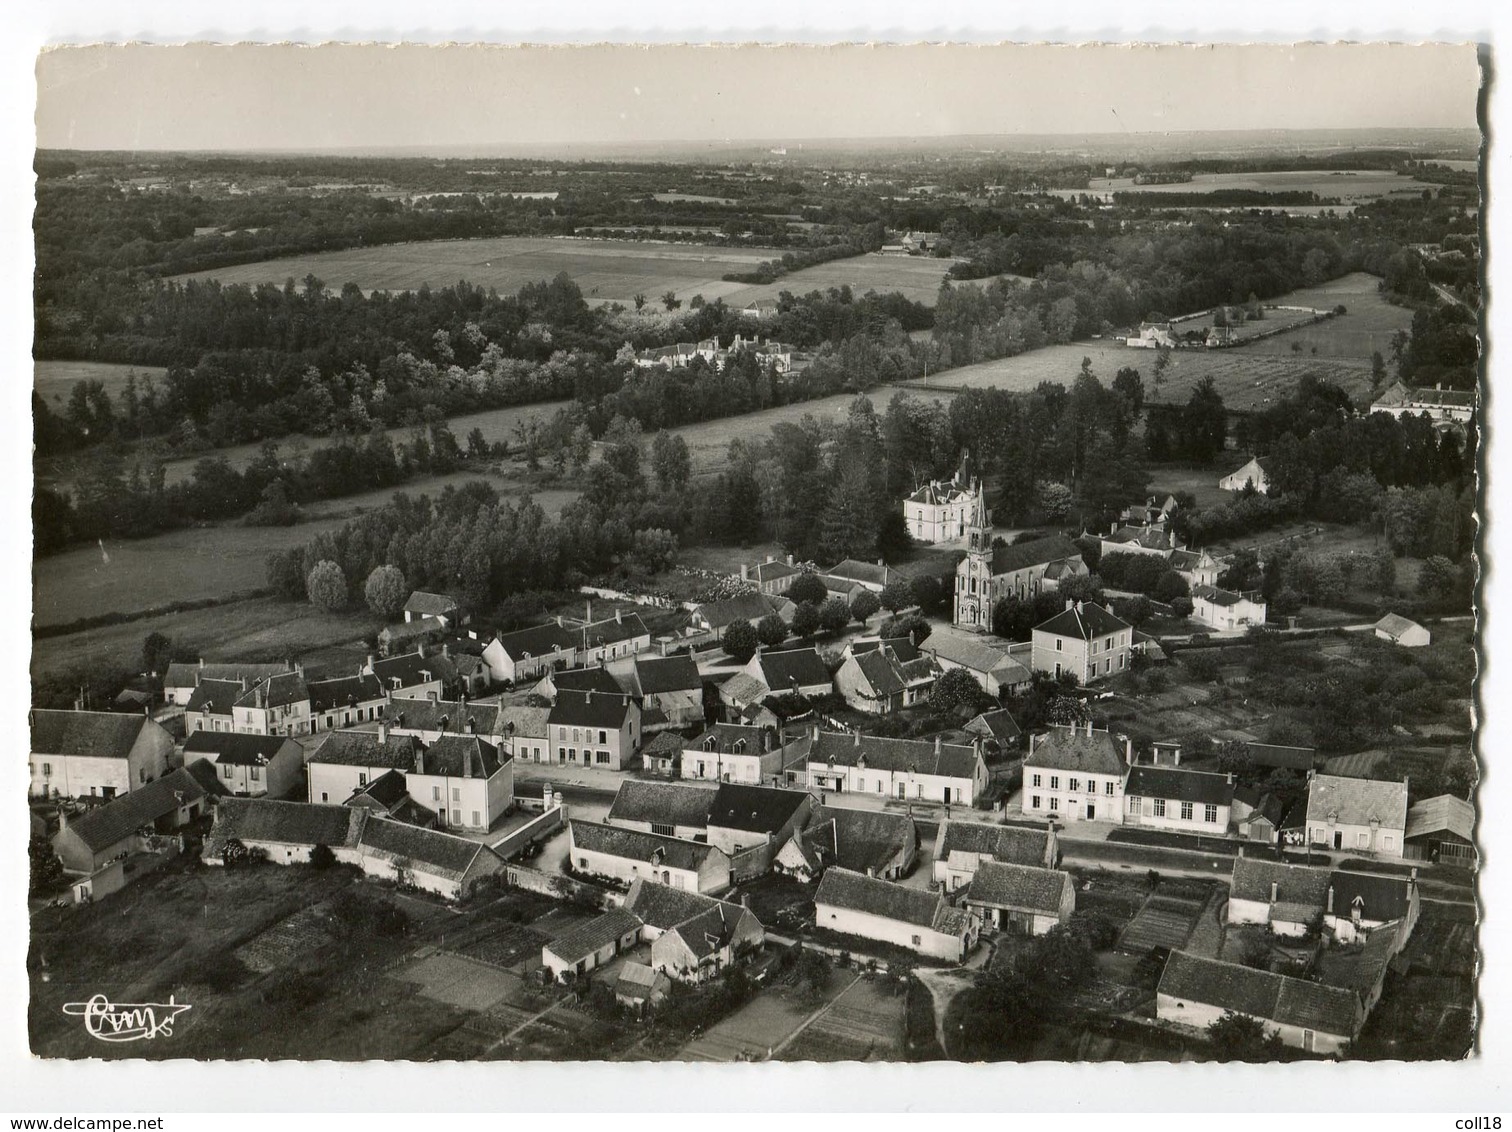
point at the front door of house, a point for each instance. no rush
(946, 795)
(1338, 839)
(1091, 810)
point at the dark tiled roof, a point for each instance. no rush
(1179, 785)
(612, 630)
(1018, 886)
(451, 754)
(1216, 596)
(859, 893)
(667, 674)
(528, 722)
(119, 818)
(998, 723)
(1009, 844)
(781, 670)
(948, 760)
(429, 850)
(708, 931)
(1381, 897)
(1229, 986)
(596, 679)
(586, 939)
(771, 571)
(429, 604)
(182, 675)
(1038, 552)
(1295, 884)
(881, 675)
(662, 906)
(288, 823)
(754, 809)
(214, 697)
(98, 734)
(238, 750)
(279, 691)
(1083, 621)
(590, 709)
(387, 790)
(328, 695)
(412, 668)
(537, 640)
(869, 573)
(363, 748)
(857, 839)
(427, 715)
(733, 738)
(750, 607)
(1070, 749)
(1444, 814)
(635, 845)
(665, 803)
(1292, 758)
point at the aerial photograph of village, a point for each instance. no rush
(981, 590)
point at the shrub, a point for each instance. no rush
(386, 591)
(1099, 932)
(321, 857)
(326, 586)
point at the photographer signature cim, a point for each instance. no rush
(126, 1021)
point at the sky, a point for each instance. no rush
(251, 97)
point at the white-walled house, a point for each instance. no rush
(348, 760)
(925, 770)
(1084, 639)
(1076, 773)
(1174, 798)
(181, 678)
(78, 754)
(1356, 815)
(527, 654)
(669, 809)
(1225, 609)
(858, 905)
(627, 855)
(465, 779)
(102, 834)
(248, 765)
(594, 729)
(736, 752)
(1292, 899)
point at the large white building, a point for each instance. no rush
(942, 511)
(1084, 639)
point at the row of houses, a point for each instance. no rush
(779, 357)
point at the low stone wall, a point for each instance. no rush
(533, 830)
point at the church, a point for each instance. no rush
(1023, 570)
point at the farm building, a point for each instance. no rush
(1438, 403)
(1400, 631)
(348, 760)
(1020, 899)
(641, 987)
(591, 945)
(91, 840)
(627, 855)
(1253, 473)
(702, 947)
(751, 823)
(668, 809)
(180, 679)
(1274, 757)
(858, 905)
(442, 607)
(873, 842)
(1195, 993)
(1441, 830)
(996, 727)
(800, 671)
(429, 720)
(992, 666)
(714, 617)
(961, 847)
(879, 677)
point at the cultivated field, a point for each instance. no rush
(55, 380)
(1350, 186)
(607, 270)
(1368, 326)
(1245, 379)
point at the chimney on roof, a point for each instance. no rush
(202, 662)
(369, 663)
(619, 616)
(467, 763)
(588, 615)
(1329, 906)
(816, 731)
(789, 559)
(855, 738)
(383, 732)
(745, 572)
(881, 563)
(1275, 891)
(244, 683)
(419, 759)
(588, 697)
(1070, 603)
(472, 729)
(559, 620)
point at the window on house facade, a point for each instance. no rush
(1186, 811)
(1160, 807)
(562, 733)
(1055, 782)
(435, 793)
(475, 818)
(1362, 840)
(256, 773)
(1034, 802)
(1057, 644)
(664, 830)
(603, 757)
(603, 736)
(456, 817)
(361, 780)
(917, 941)
(1054, 804)
(1074, 785)
(1135, 804)
(1036, 781)
(1388, 842)
(1121, 659)
(1108, 787)
(1210, 814)
(577, 734)
(456, 794)
(226, 771)
(324, 797)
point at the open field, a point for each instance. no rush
(1245, 379)
(608, 271)
(1368, 326)
(1349, 185)
(55, 380)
